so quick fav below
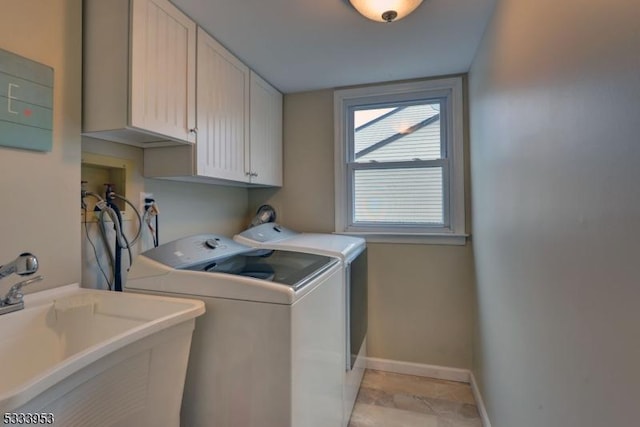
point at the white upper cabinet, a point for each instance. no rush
(139, 72)
(217, 122)
(265, 164)
(163, 60)
(239, 126)
(223, 112)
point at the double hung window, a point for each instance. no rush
(399, 160)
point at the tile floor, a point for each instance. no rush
(394, 400)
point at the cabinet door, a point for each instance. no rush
(266, 133)
(223, 112)
(163, 59)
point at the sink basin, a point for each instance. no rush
(97, 358)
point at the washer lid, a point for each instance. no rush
(293, 269)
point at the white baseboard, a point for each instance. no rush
(479, 402)
(433, 371)
(419, 369)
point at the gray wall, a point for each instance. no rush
(555, 104)
(421, 297)
(40, 190)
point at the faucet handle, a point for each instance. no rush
(15, 295)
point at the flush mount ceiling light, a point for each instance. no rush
(385, 10)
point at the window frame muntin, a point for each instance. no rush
(454, 134)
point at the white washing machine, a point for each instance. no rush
(266, 353)
(353, 255)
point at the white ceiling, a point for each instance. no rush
(300, 45)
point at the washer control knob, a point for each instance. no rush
(211, 243)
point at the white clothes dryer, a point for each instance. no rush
(265, 354)
(352, 253)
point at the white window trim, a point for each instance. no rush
(455, 233)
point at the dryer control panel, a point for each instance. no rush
(268, 232)
(193, 250)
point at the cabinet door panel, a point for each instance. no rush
(163, 48)
(266, 133)
(223, 110)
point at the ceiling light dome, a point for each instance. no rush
(385, 10)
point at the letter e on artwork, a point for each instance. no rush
(10, 97)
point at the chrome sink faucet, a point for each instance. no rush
(25, 265)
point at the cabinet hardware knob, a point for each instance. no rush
(193, 130)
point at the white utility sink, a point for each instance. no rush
(97, 358)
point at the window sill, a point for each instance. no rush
(411, 238)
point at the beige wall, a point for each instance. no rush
(39, 210)
(421, 302)
(305, 203)
(555, 104)
(185, 208)
(421, 298)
